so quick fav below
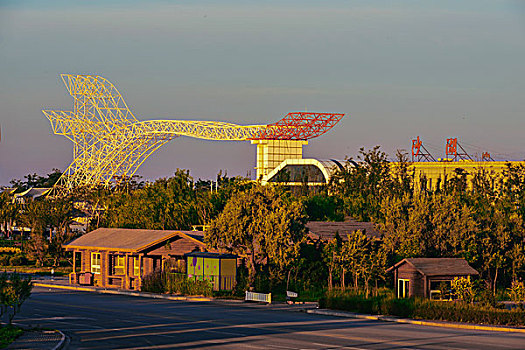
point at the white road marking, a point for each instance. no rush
(56, 318)
(226, 333)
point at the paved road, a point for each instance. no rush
(97, 321)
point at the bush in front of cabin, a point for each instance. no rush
(154, 282)
(180, 283)
(175, 283)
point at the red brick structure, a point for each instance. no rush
(120, 258)
(420, 277)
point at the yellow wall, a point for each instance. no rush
(196, 270)
(211, 267)
(271, 153)
(434, 171)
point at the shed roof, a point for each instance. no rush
(132, 240)
(326, 229)
(33, 192)
(9, 190)
(438, 266)
(212, 255)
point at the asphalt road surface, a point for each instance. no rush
(98, 321)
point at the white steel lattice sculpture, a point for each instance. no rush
(110, 143)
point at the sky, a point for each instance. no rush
(398, 69)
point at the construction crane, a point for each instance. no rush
(109, 142)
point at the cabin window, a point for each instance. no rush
(119, 267)
(95, 263)
(402, 288)
(136, 266)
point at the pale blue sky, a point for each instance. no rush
(399, 69)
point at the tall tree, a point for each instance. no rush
(332, 258)
(37, 217)
(9, 211)
(362, 184)
(260, 225)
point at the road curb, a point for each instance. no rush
(62, 342)
(155, 296)
(120, 292)
(328, 312)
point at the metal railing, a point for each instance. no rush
(262, 297)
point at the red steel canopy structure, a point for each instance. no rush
(299, 126)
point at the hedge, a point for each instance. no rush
(424, 309)
(165, 282)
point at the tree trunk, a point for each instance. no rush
(330, 278)
(343, 279)
(251, 276)
(288, 280)
(11, 316)
(495, 280)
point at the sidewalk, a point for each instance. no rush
(36, 340)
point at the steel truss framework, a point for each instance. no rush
(110, 143)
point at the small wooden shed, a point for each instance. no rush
(422, 277)
(116, 257)
(219, 269)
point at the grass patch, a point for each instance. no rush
(8, 334)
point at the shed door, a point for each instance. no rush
(402, 288)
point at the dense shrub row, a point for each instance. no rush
(165, 282)
(13, 260)
(423, 309)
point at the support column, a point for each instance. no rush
(73, 278)
(139, 277)
(126, 280)
(106, 270)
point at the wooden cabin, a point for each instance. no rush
(120, 258)
(425, 277)
(219, 269)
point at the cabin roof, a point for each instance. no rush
(325, 230)
(131, 240)
(438, 266)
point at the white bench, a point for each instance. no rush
(262, 297)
